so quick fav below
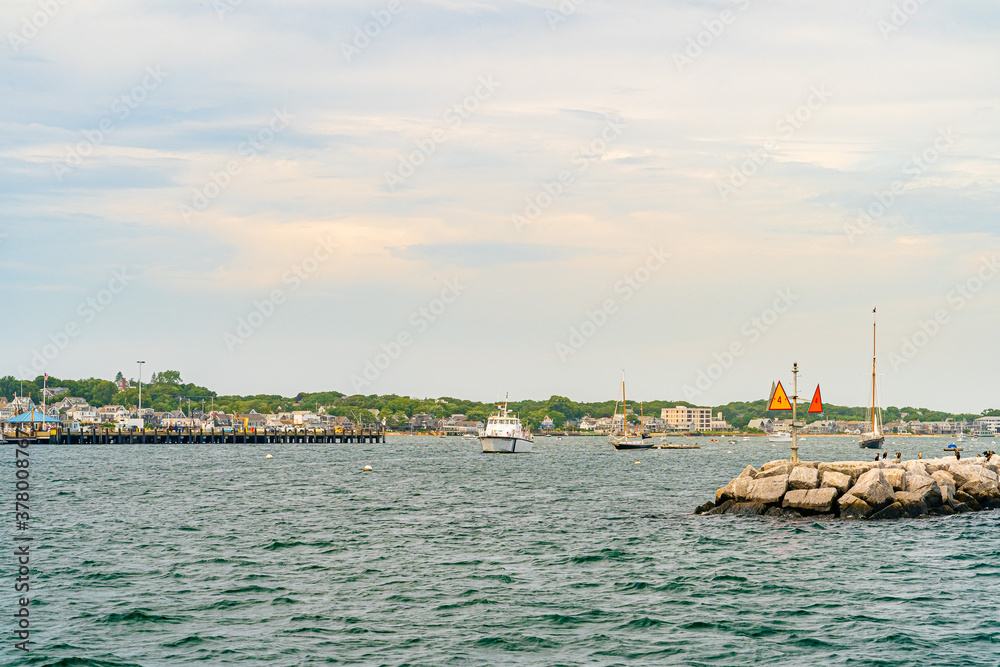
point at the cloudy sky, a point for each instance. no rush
(451, 197)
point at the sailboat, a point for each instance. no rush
(873, 438)
(620, 437)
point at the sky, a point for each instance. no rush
(472, 199)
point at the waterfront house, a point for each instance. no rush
(469, 426)
(305, 418)
(986, 426)
(765, 425)
(83, 413)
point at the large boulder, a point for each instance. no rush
(725, 493)
(853, 469)
(856, 509)
(969, 501)
(768, 490)
(837, 480)
(722, 507)
(741, 487)
(873, 488)
(749, 471)
(946, 484)
(968, 473)
(892, 511)
(926, 487)
(814, 500)
(959, 507)
(912, 502)
(980, 490)
(705, 507)
(782, 513)
(916, 467)
(775, 469)
(803, 478)
(896, 478)
(915, 482)
(747, 509)
(736, 489)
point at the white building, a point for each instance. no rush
(692, 419)
(986, 426)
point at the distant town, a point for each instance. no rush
(169, 403)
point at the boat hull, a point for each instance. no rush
(630, 442)
(872, 443)
(505, 445)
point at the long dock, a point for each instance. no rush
(135, 436)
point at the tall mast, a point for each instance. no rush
(873, 370)
(624, 407)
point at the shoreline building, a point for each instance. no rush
(680, 418)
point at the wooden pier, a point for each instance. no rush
(161, 436)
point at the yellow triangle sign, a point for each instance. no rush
(779, 401)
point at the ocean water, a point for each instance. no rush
(572, 555)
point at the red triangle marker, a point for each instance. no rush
(817, 402)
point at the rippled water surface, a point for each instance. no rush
(442, 555)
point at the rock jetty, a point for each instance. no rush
(887, 489)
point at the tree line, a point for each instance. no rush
(167, 391)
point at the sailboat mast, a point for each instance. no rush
(873, 369)
(624, 407)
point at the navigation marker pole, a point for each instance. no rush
(795, 404)
(780, 401)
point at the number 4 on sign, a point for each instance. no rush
(779, 399)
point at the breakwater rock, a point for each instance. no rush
(887, 489)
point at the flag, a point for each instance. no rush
(779, 401)
(817, 402)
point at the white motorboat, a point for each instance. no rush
(504, 433)
(780, 437)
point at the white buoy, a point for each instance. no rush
(268, 457)
(638, 463)
(729, 452)
(368, 469)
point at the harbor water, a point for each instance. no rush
(575, 554)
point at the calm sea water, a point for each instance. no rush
(442, 555)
